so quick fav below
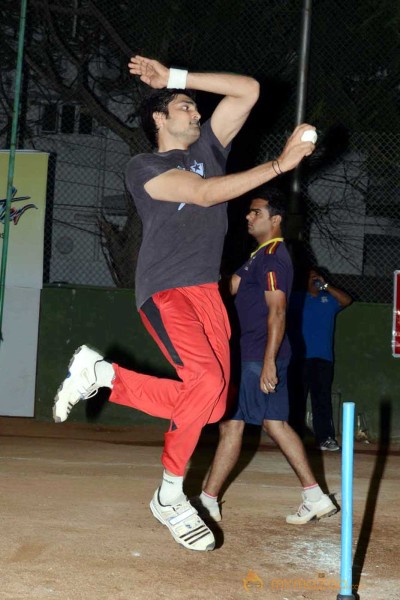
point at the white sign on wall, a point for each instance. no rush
(24, 278)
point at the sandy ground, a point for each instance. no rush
(75, 521)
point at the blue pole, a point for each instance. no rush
(346, 579)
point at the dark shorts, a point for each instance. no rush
(253, 405)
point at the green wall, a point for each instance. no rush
(365, 371)
(107, 320)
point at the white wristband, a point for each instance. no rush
(177, 79)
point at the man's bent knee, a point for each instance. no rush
(275, 427)
(232, 427)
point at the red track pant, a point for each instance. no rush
(191, 327)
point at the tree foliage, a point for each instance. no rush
(77, 51)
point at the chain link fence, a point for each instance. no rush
(80, 105)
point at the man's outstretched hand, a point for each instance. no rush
(151, 72)
(295, 150)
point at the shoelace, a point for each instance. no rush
(87, 389)
(86, 393)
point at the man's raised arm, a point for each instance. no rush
(240, 93)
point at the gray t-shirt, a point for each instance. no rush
(182, 243)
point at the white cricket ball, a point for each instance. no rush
(309, 136)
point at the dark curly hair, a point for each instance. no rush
(158, 101)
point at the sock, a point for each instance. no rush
(313, 493)
(171, 490)
(207, 500)
(105, 373)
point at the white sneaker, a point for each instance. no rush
(80, 383)
(185, 525)
(308, 510)
(207, 512)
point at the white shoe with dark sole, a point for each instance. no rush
(184, 523)
(308, 510)
(80, 383)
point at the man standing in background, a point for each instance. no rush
(312, 324)
(262, 288)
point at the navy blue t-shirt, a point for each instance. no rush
(182, 243)
(269, 269)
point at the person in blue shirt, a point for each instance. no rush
(312, 325)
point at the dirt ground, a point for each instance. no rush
(75, 521)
